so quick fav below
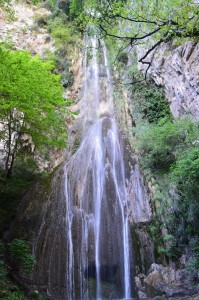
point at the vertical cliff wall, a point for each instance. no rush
(176, 69)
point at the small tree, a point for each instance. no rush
(31, 104)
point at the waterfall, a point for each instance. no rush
(98, 256)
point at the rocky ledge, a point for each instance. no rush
(166, 283)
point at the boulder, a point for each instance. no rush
(166, 281)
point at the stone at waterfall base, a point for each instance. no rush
(167, 283)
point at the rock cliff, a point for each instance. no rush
(20, 28)
(176, 68)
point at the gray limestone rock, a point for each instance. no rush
(168, 282)
(176, 68)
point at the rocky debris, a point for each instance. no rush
(22, 31)
(166, 281)
(176, 68)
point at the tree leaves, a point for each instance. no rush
(31, 101)
(147, 23)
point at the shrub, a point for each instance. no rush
(20, 252)
(148, 99)
(3, 273)
(193, 263)
(61, 30)
(158, 143)
(171, 150)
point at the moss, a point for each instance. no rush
(136, 249)
(12, 190)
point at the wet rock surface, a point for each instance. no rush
(41, 220)
(167, 282)
(140, 211)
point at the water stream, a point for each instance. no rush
(98, 259)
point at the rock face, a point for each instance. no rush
(140, 211)
(41, 220)
(176, 68)
(165, 281)
(22, 30)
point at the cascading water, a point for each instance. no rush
(98, 259)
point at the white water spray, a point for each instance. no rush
(98, 259)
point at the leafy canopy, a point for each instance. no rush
(33, 95)
(31, 102)
(170, 145)
(136, 19)
(139, 22)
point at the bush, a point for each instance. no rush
(171, 150)
(9, 290)
(193, 263)
(17, 295)
(3, 273)
(11, 191)
(20, 252)
(186, 168)
(148, 99)
(63, 65)
(61, 30)
(159, 143)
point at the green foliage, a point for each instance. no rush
(186, 169)
(123, 58)
(149, 100)
(168, 20)
(9, 290)
(148, 23)
(63, 65)
(40, 20)
(2, 2)
(67, 38)
(12, 190)
(17, 295)
(76, 7)
(166, 143)
(193, 263)
(63, 31)
(3, 272)
(37, 296)
(32, 105)
(20, 252)
(62, 34)
(158, 142)
(31, 94)
(7, 43)
(171, 149)
(10, 14)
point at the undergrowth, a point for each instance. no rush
(169, 149)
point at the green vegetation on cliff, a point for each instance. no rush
(148, 24)
(169, 152)
(33, 122)
(33, 112)
(32, 106)
(14, 256)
